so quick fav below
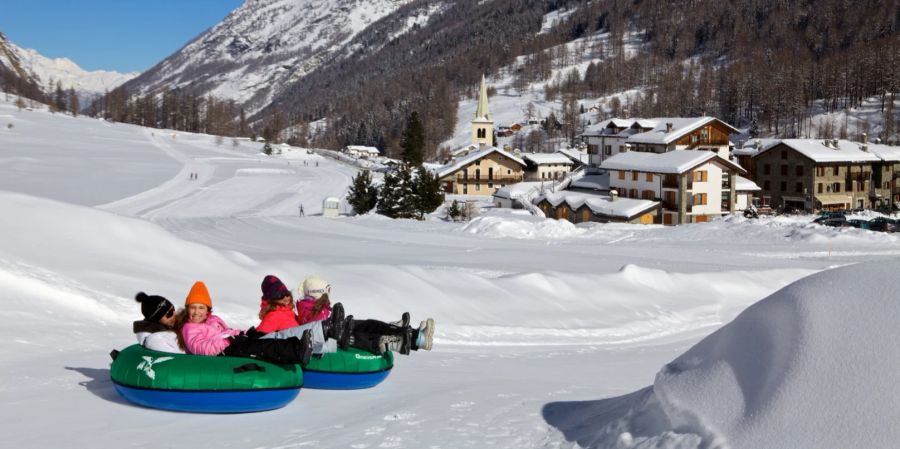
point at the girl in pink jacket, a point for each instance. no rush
(202, 333)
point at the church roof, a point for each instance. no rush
(482, 113)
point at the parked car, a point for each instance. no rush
(836, 219)
(883, 224)
(861, 224)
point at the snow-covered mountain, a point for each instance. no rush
(45, 72)
(263, 46)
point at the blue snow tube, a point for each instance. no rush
(347, 369)
(193, 383)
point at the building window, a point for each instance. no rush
(820, 187)
(767, 185)
(478, 187)
(649, 177)
(490, 172)
(700, 176)
(647, 195)
(622, 175)
(477, 174)
(509, 171)
(632, 193)
(836, 170)
(836, 187)
(478, 162)
(767, 169)
(783, 186)
(799, 187)
(607, 150)
(799, 170)
(784, 170)
(784, 154)
(820, 171)
(699, 199)
(490, 185)
(634, 176)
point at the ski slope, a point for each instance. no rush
(529, 312)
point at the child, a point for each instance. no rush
(155, 331)
(277, 318)
(371, 335)
(202, 333)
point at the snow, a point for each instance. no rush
(743, 184)
(623, 208)
(537, 320)
(825, 151)
(547, 158)
(669, 162)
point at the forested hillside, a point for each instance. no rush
(762, 64)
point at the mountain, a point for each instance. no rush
(39, 72)
(14, 78)
(88, 84)
(262, 47)
(350, 72)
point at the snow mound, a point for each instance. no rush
(522, 228)
(811, 366)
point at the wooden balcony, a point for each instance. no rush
(507, 179)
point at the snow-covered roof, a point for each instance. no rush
(362, 149)
(575, 155)
(680, 127)
(743, 184)
(626, 208)
(592, 182)
(888, 153)
(474, 156)
(753, 146)
(546, 158)
(672, 162)
(823, 150)
(513, 190)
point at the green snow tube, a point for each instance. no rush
(197, 383)
(347, 369)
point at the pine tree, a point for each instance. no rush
(428, 192)
(363, 196)
(73, 102)
(267, 149)
(407, 200)
(387, 196)
(454, 211)
(59, 102)
(413, 141)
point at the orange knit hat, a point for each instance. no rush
(198, 295)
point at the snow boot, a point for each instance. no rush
(425, 335)
(343, 339)
(305, 348)
(404, 320)
(333, 326)
(395, 343)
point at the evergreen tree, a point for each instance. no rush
(454, 211)
(407, 199)
(413, 141)
(73, 102)
(428, 192)
(363, 196)
(267, 148)
(59, 101)
(387, 196)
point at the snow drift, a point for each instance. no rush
(811, 366)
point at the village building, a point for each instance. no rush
(822, 174)
(581, 207)
(510, 196)
(546, 166)
(692, 186)
(578, 157)
(481, 172)
(657, 135)
(361, 151)
(885, 175)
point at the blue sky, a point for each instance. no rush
(120, 35)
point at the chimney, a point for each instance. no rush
(865, 142)
(668, 127)
(613, 194)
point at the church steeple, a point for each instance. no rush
(483, 124)
(482, 112)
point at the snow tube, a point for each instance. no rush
(347, 369)
(193, 383)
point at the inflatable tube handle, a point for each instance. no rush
(249, 367)
(114, 354)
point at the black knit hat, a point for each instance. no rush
(153, 307)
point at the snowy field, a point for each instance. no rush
(549, 335)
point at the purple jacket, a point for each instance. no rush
(209, 337)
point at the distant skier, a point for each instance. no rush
(302, 214)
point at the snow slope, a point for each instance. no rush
(88, 84)
(530, 312)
